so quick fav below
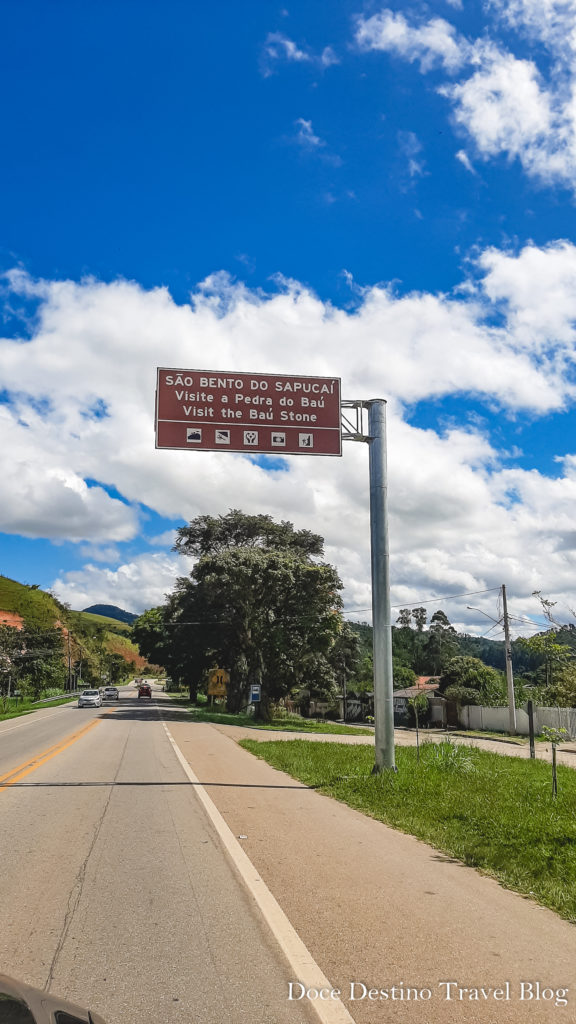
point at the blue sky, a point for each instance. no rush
(385, 193)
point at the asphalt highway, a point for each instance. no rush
(116, 890)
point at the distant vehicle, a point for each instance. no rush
(90, 699)
(144, 690)
(110, 693)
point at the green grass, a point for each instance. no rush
(24, 707)
(492, 812)
(113, 625)
(282, 725)
(32, 604)
(504, 737)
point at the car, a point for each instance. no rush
(90, 699)
(144, 690)
(110, 693)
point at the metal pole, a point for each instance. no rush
(382, 628)
(531, 727)
(509, 673)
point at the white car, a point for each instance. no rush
(90, 699)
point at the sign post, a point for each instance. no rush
(276, 414)
(381, 613)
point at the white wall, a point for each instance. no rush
(496, 719)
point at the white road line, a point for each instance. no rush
(305, 968)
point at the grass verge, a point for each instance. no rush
(282, 725)
(492, 812)
(17, 709)
(520, 741)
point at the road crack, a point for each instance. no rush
(78, 884)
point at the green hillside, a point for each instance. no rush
(111, 625)
(35, 605)
(93, 638)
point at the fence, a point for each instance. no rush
(497, 719)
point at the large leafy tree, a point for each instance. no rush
(259, 603)
(469, 681)
(31, 659)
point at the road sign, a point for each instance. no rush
(255, 693)
(211, 410)
(218, 679)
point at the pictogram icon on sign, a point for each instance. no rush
(305, 440)
(193, 434)
(222, 437)
(250, 437)
(278, 440)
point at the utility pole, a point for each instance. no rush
(381, 612)
(69, 662)
(509, 672)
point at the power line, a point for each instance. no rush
(431, 600)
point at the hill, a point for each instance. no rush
(28, 602)
(89, 638)
(111, 611)
(92, 622)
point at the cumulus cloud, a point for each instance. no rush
(140, 584)
(433, 43)
(504, 107)
(524, 109)
(80, 405)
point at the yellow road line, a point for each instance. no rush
(35, 762)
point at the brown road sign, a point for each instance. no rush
(213, 410)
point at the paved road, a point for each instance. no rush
(116, 891)
(379, 908)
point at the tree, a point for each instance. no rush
(403, 676)
(552, 653)
(208, 535)
(256, 603)
(419, 704)
(475, 682)
(441, 643)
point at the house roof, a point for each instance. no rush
(413, 691)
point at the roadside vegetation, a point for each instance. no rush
(494, 813)
(46, 649)
(283, 723)
(259, 602)
(11, 708)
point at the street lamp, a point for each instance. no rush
(508, 648)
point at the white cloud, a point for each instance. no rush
(463, 516)
(552, 22)
(306, 136)
(464, 159)
(434, 43)
(524, 109)
(504, 108)
(328, 57)
(307, 139)
(411, 148)
(279, 47)
(136, 585)
(163, 540)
